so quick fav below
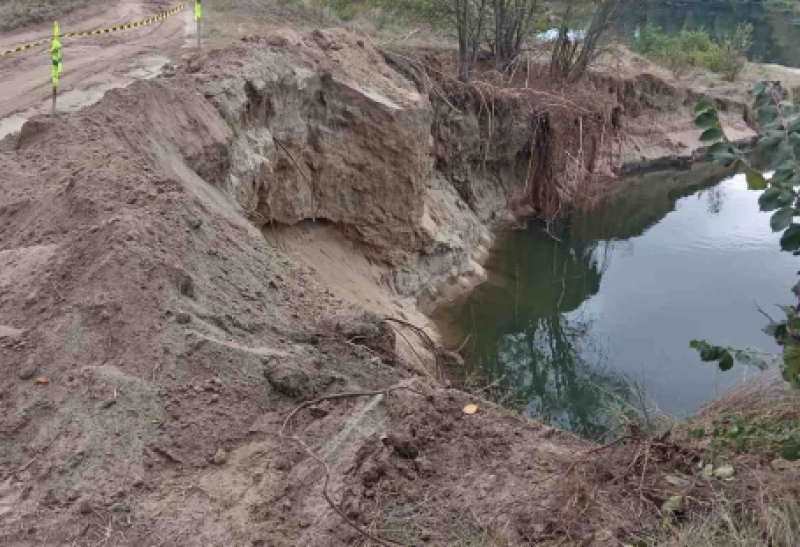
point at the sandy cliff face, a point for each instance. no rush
(184, 262)
(149, 327)
(324, 130)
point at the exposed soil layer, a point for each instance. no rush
(185, 262)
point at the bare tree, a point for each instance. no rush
(573, 54)
(470, 21)
(513, 22)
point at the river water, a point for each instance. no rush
(776, 36)
(602, 308)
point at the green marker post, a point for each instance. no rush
(55, 50)
(198, 15)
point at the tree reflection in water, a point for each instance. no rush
(527, 326)
(540, 350)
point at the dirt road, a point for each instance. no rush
(92, 65)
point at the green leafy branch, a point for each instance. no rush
(779, 143)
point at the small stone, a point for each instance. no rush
(282, 463)
(183, 318)
(214, 398)
(187, 286)
(85, 507)
(289, 381)
(27, 373)
(220, 457)
(108, 403)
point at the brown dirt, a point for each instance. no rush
(174, 282)
(154, 340)
(16, 14)
(92, 65)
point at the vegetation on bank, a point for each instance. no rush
(505, 28)
(779, 146)
(690, 49)
(779, 6)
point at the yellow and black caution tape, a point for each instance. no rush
(136, 24)
(23, 47)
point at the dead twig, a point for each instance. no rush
(578, 458)
(345, 395)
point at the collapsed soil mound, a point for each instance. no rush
(153, 339)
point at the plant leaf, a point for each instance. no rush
(771, 138)
(698, 433)
(703, 105)
(781, 219)
(768, 201)
(721, 147)
(713, 134)
(756, 181)
(706, 120)
(726, 361)
(723, 158)
(790, 240)
(710, 353)
(767, 114)
(791, 361)
(790, 449)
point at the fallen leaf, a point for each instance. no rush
(673, 505)
(470, 409)
(675, 480)
(725, 472)
(42, 380)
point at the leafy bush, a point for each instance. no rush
(780, 6)
(779, 142)
(651, 39)
(733, 47)
(697, 48)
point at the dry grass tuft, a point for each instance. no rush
(763, 397)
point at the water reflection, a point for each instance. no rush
(540, 350)
(573, 316)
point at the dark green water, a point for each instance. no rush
(571, 319)
(776, 39)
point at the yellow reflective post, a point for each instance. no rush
(198, 15)
(55, 49)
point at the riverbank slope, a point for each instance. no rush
(222, 244)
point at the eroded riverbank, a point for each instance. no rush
(596, 313)
(198, 268)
